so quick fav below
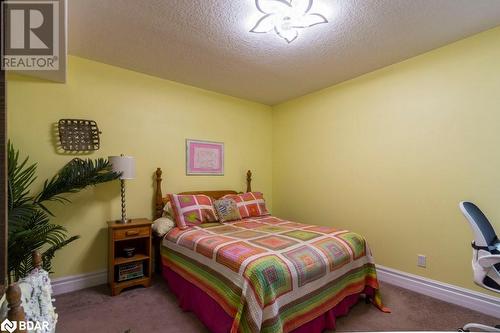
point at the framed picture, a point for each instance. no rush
(204, 158)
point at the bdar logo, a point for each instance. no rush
(8, 326)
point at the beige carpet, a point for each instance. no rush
(155, 310)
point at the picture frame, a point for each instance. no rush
(204, 158)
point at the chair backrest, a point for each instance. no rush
(484, 234)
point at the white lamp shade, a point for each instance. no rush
(124, 165)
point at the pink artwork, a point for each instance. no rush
(204, 158)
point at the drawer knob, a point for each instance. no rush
(132, 233)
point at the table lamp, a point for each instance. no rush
(125, 166)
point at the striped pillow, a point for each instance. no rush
(192, 209)
(250, 204)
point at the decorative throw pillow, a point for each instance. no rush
(227, 210)
(250, 204)
(191, 210)
(163, 225)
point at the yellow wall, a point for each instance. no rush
(390, 155)
(142, 116)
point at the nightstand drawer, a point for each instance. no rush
(131, 233)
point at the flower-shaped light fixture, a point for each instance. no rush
(286, 17)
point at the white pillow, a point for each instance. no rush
(163, 225)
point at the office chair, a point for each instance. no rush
(485, 256)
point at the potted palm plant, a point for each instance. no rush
(29, 219)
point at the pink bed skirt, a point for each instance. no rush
(193, 299)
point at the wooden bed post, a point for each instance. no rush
(159, 195)
(249, 181)
(37, 260)
(13, 296)
(16, 312)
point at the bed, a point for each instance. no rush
(266, 274)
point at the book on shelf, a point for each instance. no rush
(130, 271)
(130, 276)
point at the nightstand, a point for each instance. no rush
(128, 271)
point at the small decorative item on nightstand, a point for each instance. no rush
(129, 254)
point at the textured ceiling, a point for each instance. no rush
(206, 43)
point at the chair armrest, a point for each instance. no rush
(489, 260)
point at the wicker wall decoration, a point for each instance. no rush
(78, 135)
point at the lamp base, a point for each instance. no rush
(124, 219)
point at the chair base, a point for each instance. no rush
(474, 327)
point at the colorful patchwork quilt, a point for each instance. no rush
(269, 274)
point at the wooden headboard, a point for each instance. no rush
(161, 201)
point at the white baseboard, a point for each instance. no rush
(77, 282)
(446, 292)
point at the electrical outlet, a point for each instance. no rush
(422, 261)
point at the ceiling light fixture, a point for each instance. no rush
(286, 17)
